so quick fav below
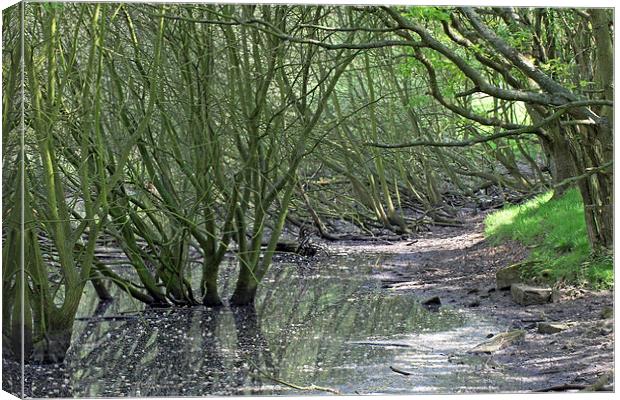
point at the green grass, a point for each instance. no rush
(555, 231)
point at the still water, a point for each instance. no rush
(332, 325)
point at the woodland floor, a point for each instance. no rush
(458, 265)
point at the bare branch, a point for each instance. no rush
(534, 129)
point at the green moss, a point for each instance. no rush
(556, 232)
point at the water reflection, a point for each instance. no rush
(328, 327)
(253, 354)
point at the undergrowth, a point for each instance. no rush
(555, 231)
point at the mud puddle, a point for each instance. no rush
(334, 324)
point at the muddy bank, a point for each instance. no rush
(458, 266)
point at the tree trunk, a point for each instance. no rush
(601, 21)
(245, 290)
(99, 285)
(597, 192)
(210, 295)
(562, 165)
(53, 347)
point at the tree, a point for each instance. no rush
(575, 128)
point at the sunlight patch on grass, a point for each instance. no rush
(556, 232)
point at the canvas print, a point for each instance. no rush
(207, 199)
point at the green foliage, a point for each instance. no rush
(556, 231)
(419, 100)
(520, 39)
(429, 13)
(556, 68)
(52, 6)
(482, 104)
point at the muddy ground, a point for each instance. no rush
(458, 265)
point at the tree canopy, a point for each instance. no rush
(199, 129)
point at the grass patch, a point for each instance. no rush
(556, 232)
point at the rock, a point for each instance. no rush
(499, 341)
(606, 327)
(516, 325)
(550, 328)
(287, 246)
(433, 301)
(528, 295)
(600, 384)
(474, 303)
(537, 317)
(556, 295)
(432, 304)
(506, 276)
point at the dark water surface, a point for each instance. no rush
(331, 325)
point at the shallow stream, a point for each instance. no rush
(334, 325)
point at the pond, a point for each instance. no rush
(332, 324)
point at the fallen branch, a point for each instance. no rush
(362, 238)
(294, 386)
(400, 371)
(572, 386)
(599, 386)
(306, 388)
(561, 388)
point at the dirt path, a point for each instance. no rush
(458, 265)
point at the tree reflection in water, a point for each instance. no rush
(253, 354)
(169, 352)
(302, 331)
